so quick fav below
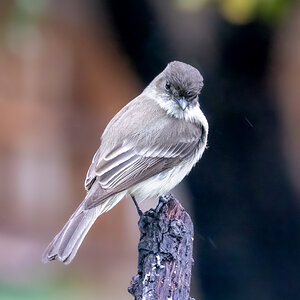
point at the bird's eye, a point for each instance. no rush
(168, 85)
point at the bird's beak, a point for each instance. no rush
(182, 103)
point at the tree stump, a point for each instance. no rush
(165, 253)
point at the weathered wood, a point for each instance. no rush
(165, 253)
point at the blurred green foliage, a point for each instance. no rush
(22, 18)
(242, 11)
(40, 290)
(34, 293)
(24, 14)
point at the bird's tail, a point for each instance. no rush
(66, 243)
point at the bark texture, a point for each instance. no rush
(165, 253)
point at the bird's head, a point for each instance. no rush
(182, 84)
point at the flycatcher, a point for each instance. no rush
(148, 147)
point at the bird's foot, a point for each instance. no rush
(137, 207)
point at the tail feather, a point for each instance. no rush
(65, 245)
(73, 235)
(67, 242)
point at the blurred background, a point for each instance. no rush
(66, 67)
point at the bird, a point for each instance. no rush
(146, 149)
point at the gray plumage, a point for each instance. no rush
(145, 150)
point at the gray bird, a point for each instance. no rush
(148, 147)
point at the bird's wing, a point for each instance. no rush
(91, 174)
(125, 166)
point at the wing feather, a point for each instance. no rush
(129, 168)
(91, 174)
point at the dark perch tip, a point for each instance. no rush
(162, 200)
